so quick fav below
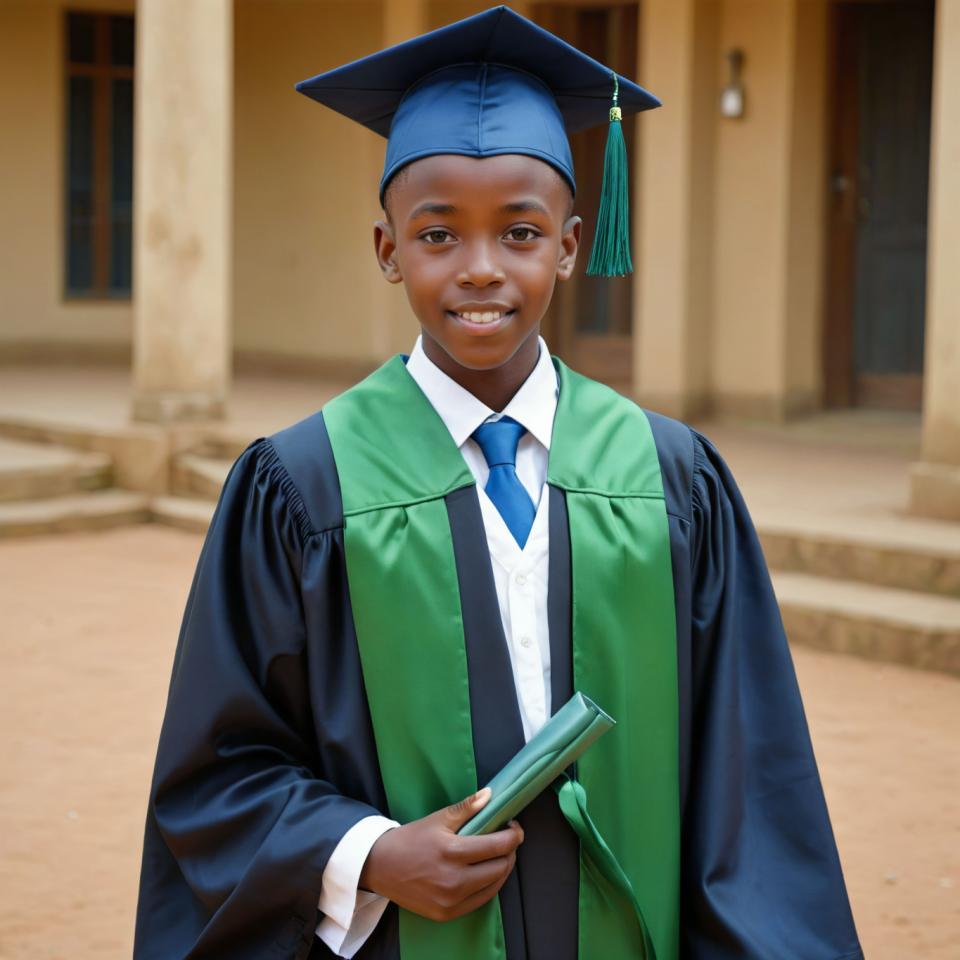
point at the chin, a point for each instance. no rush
(486, 351)
(479, 355)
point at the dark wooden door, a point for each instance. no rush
(877, 275)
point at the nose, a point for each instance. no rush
(480, 267)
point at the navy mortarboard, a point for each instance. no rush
(491, 84)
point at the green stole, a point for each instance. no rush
(396, 462)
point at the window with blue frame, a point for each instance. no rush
(99, 155)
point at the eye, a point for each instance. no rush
(522, 234)
(436, 237)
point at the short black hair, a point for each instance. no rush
(404, 172)
(398, 177)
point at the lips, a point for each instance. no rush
(481, 314)
(486, 316)
(479, 324)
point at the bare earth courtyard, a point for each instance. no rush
(89, 625)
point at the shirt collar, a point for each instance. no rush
(533, 405)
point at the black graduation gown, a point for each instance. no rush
(267, 755)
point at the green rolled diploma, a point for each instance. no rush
(563, 738)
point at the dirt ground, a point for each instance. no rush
(89, 623)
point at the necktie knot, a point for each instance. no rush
(498, 441)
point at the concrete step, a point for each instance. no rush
(200, 475)
(33, 471)
(139, 453)
(185, 513)
(907, 553)
(227, 444)
(876, 623)
(95, 510)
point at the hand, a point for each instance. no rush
(426, 868)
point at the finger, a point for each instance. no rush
(492, 845)
(476, 876)
(481, 896)
(457, 814)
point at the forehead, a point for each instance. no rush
(468, 181)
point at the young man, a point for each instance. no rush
(397, 592)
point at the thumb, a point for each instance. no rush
(457, 814)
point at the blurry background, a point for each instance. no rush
(187, 264)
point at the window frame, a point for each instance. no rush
(102, 72)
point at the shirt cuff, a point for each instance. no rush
(350, 915)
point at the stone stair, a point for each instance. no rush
(54, 487)
(903, 552)
(34, 471)
(876, 623)
(185, 513)
(47, 488)
(196, 477)
(884, 588)
(199, 475)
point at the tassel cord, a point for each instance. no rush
(610, 255)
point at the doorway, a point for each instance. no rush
(882, 62)
(590, 320)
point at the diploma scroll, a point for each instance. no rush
(561, 740)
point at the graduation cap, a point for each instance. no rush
(492, 84)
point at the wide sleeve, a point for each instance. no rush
(761, 874)
(240, 822)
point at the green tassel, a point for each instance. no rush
(610, 256)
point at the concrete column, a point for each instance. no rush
(673, 224)
(935, 481)
(182, 209)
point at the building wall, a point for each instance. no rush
(306, 282)
(674, 300)
(751, 204)
(440, 12)
(769, 212)
(34, 315)
(306, 287)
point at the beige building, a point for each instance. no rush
(171, 202)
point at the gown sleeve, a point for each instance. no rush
(761, 873)
(240, 822)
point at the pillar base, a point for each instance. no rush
(768, 408)
(935, 490)
(175, 407)
(680, 406)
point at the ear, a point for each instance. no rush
(386, 249)
(569, 244)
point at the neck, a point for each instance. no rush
(496, 386)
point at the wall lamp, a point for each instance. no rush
(732, 97)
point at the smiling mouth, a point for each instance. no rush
(481, 317)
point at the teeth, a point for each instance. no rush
(485, 317)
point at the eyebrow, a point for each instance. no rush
(519, 206)
(435, 208)
(524, 206)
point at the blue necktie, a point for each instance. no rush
(498, 440)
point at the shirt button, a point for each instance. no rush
(521, 579)
(524, 641)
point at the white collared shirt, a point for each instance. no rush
(521, 580)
